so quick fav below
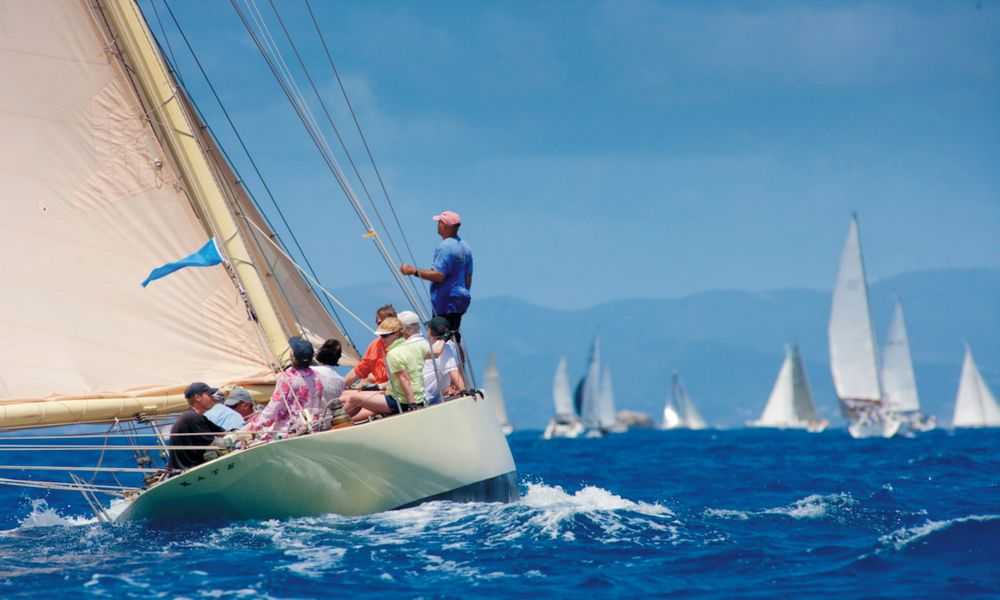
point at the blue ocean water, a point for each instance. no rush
(713, 514)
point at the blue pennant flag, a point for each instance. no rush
(206, 256)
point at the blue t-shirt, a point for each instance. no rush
(453, 258)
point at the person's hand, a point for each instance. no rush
(407, 269)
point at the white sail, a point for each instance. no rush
(590, 408)
(108, 175)
(494, 392)
(975, 405)
(790, 403)
(689, 415)
(852, 340)
(606, 411)
(560, 390)
(899, 386)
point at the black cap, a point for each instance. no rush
(302, 350)
(438, 326)
(198, 387)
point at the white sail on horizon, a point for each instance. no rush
(494, 391)
(590, 410)
(561, 397)
(790, 402)
(975, 404)
(853, 359)
(606, 411)
(683, 406)
(899, 385)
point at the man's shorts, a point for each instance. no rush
(396, 407)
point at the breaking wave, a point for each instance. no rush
(814, 506)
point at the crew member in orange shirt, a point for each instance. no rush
(372, 365)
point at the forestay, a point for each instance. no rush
(899, 385)
(852, 341)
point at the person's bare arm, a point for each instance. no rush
(428, 274)
(350, 379)
(455, 383)
(407, 385)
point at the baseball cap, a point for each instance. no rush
(199, 387)
(388, 326)
(237, 395)
(449, 217)
(408, 318)
(302, 350)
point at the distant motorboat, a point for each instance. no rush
(853, 361)
(899, 384)
(680, 412)
(790, 405)
(494, 393)
(566, 423)
(975, 404)
(635, 420)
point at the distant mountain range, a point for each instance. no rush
(727, 345)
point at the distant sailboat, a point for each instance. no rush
(853, 362)
(680, 412)
(790, 405)
(494, 393)
(975, 404)
(566, 423)
(899, 385)
(606, 402)
(589, 393)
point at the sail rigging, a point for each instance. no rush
(852, 339)
(112, 172)
(975, 404)
(899, 384)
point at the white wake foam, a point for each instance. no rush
(815, 506)
(902, 538)
(42, 515)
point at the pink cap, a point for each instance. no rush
(449, 217)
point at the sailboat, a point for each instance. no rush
(588, 394)
(606, 401)
(679, 411)
(566, 423)
(975, 404)
(790, 405)
(494, 394)
(109, 171)
(853, 360)
(899, 384)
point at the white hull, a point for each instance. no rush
(454, 450)
(886, 428)
(557, 429)
(810, 426)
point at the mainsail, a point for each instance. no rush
(606, 401)
(790, 402)
(899, 385)
(689, 415)
(560, 390)
(590, 410)
(108, 174)
(494, 393)
(852, 341)
(975, 405)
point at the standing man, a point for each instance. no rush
(200, 397)
(451, 274)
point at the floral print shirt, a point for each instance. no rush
(296, 389)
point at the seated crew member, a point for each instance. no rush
(443, 362)
(372, 364)
(328, 357)
(298, 395)
(240, 401)
(223, 415)
(405, 391)
(200, 398)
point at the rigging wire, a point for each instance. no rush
(340, 138)
(295, 98)
(250, 159)
(361, 133)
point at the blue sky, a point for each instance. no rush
(605, 150)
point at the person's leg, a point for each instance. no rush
(454, 324)
(355, 401)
